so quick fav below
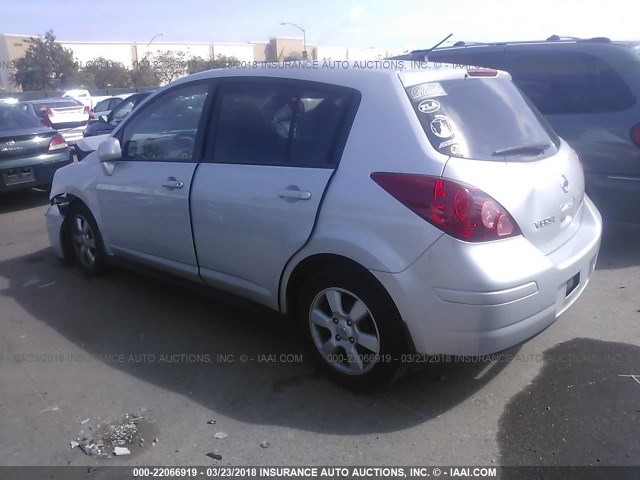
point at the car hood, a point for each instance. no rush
(90, 144)
(98, 128)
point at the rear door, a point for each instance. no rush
(144, 202)
(272, 150)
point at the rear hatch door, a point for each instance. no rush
(498, 142)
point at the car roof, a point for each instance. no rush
(552, 40)
(349, 73)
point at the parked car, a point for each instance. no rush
(588, 90)
(30, 153)
(66, 115)
(106, 123)
(97, 131)
(443, 217)
(83, 96)
(104, 107)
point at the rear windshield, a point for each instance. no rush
(12, 118)
(483, 119)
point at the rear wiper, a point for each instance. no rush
(532, 148)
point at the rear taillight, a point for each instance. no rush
(87, 109)
(45, 121)
(460, 210)
(48, 112)
(57, 143)
(92, 116)
(635, 135)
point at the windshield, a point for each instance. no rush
(12, 118)
(482, 118)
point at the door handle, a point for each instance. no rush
(172, 183)
(294, 194)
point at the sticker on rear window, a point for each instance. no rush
(442, 126)
(447, 143)
(432, 89)
(429, 106)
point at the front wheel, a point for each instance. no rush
(85, 241)
(352, 327)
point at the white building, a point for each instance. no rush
(85, 52)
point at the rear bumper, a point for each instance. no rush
(43, 168)
(460, 298)
(72, 135)
(616, 196)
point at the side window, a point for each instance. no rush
(166, 128)
(254, 119)
(278, 122)
(561, 82)
(319, 116)
(101, 106)
(24, 107)
(123, 109)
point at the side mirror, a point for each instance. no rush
(109, 150)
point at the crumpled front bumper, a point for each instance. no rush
(54, 220)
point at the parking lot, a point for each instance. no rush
(77, 354)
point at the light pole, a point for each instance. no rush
(152, 39)
(304, 37)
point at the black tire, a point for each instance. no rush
(84, 242)
(379, 369)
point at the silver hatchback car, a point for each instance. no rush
(389, 211)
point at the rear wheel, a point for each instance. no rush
(352, 327)
(85, 242)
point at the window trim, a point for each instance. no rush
(338, 141)
(197, 147)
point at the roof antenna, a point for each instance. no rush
(425, 52)
(440, 43)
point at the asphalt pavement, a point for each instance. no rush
(197, 374)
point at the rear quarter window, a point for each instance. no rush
(569, 83)
(480, 117)
(13, 118)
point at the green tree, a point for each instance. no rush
(169, 65)
(47, 65)
(144, 75)
(199, 64)
(105, 73)
(292, 57)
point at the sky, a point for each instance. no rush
(395, 25)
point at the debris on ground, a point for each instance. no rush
(220, 435)
(112, 438)
(265, 444)
(211, 422)
(86, 420)
(49, 409)
(215, 456)
(118, 451)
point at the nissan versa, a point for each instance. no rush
(388, 211)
